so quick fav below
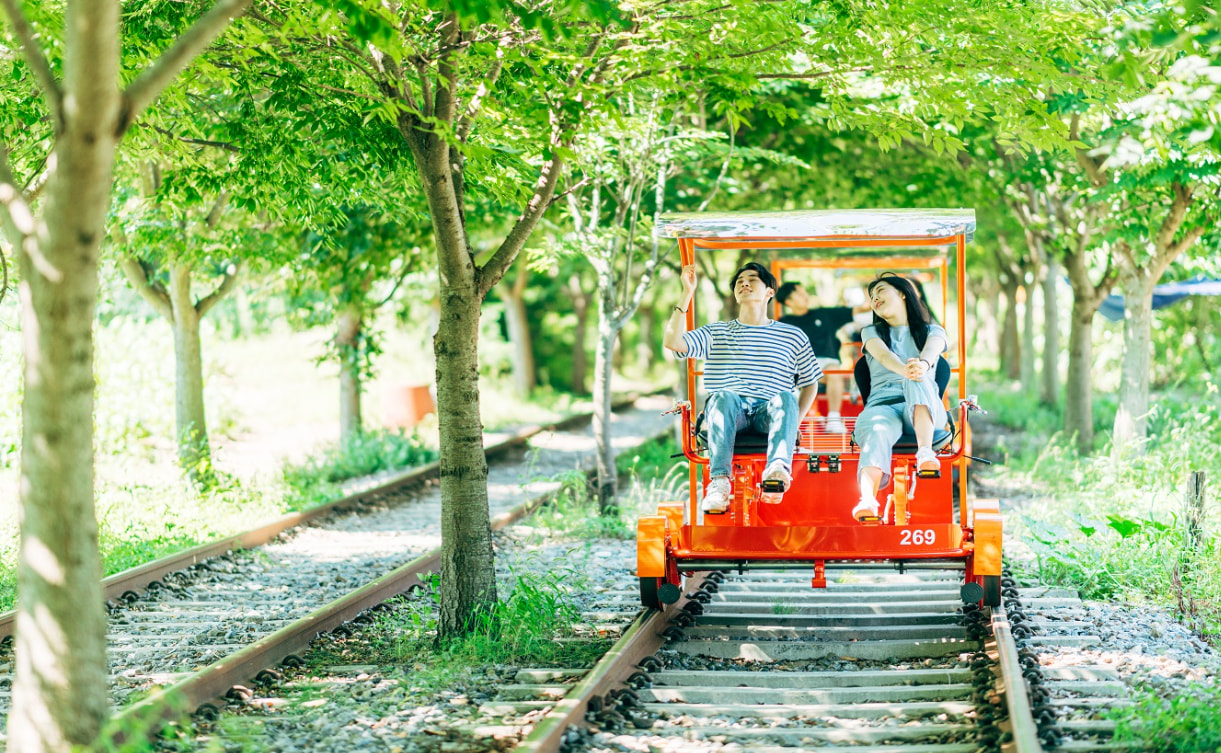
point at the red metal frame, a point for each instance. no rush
(815, 525)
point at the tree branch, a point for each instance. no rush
(218, 208)
(150, 290)
(4, 270)
(393, 290)
(206, 303)
(1174, 218)
(37, 62)
(1092, 166)
(485, 86)
(145, 88)
(13, 198)
(200, 142)
(716, 186)
(446, 105)
(544, 188)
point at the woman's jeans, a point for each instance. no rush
(728, 413)
(880, 426)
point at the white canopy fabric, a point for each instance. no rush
(819, 223)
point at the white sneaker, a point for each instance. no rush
(835, 425)
(777, 472)
(926, 460)
(866, 508)
(716, 496)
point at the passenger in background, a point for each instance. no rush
(751, 367)
(821, 325)
(901, 349)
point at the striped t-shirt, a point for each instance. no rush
(753, 361)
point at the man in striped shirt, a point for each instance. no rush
(751, 367)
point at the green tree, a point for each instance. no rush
(60, 695)
(1159, 147)
(343, 275)
(166, 249)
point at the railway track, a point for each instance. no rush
(879, 661)
(242, 613)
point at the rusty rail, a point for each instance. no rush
(137, 578)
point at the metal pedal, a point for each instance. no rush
(773, 492)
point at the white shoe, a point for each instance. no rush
(716, 496)
(926, 460)
(866, 508)
(835, 425)
(777, 472)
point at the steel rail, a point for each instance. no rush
(643, 638)
(217, 679)
(139, 577)
(1013, 686)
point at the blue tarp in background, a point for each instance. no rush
(1163, 295)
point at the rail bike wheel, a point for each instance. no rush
(648, 592)
(658, 592)
(992, 590)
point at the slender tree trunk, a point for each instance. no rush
(1028, 350)
(1078, 398)
(1131, 418)
(989, 314)
(607, 334)
(646, 344)
(347, 341)
(243, 320)
(1011, 347)
(194, 450)
(519, 333)
(60, 694)
(580, 359)
(1049, 384)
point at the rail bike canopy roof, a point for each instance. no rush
(922, 232)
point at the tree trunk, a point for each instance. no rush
(347, 342)
(1078, 398)
(194, 450)
(468, 566)
(1011, 347)
(1131, 418)
(580, 361)
(1027, 350)
(519, 333)
(607, 334)
(60, 695)
(1049, 384)
(646, 344)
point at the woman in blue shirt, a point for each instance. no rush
(901, 349)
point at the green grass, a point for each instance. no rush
(646, 475)
(1114, 525)
(531, 625)
(319, 479)
(1186, 723)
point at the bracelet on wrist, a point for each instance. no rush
(676, 308)
(927, 364)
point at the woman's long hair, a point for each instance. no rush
(917, 314)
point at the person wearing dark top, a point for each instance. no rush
(820, 325)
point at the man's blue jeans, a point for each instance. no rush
(728, 413)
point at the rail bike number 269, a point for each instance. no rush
(918, 537)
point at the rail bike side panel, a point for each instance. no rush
(824, 542)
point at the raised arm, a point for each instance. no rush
(676, 324)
